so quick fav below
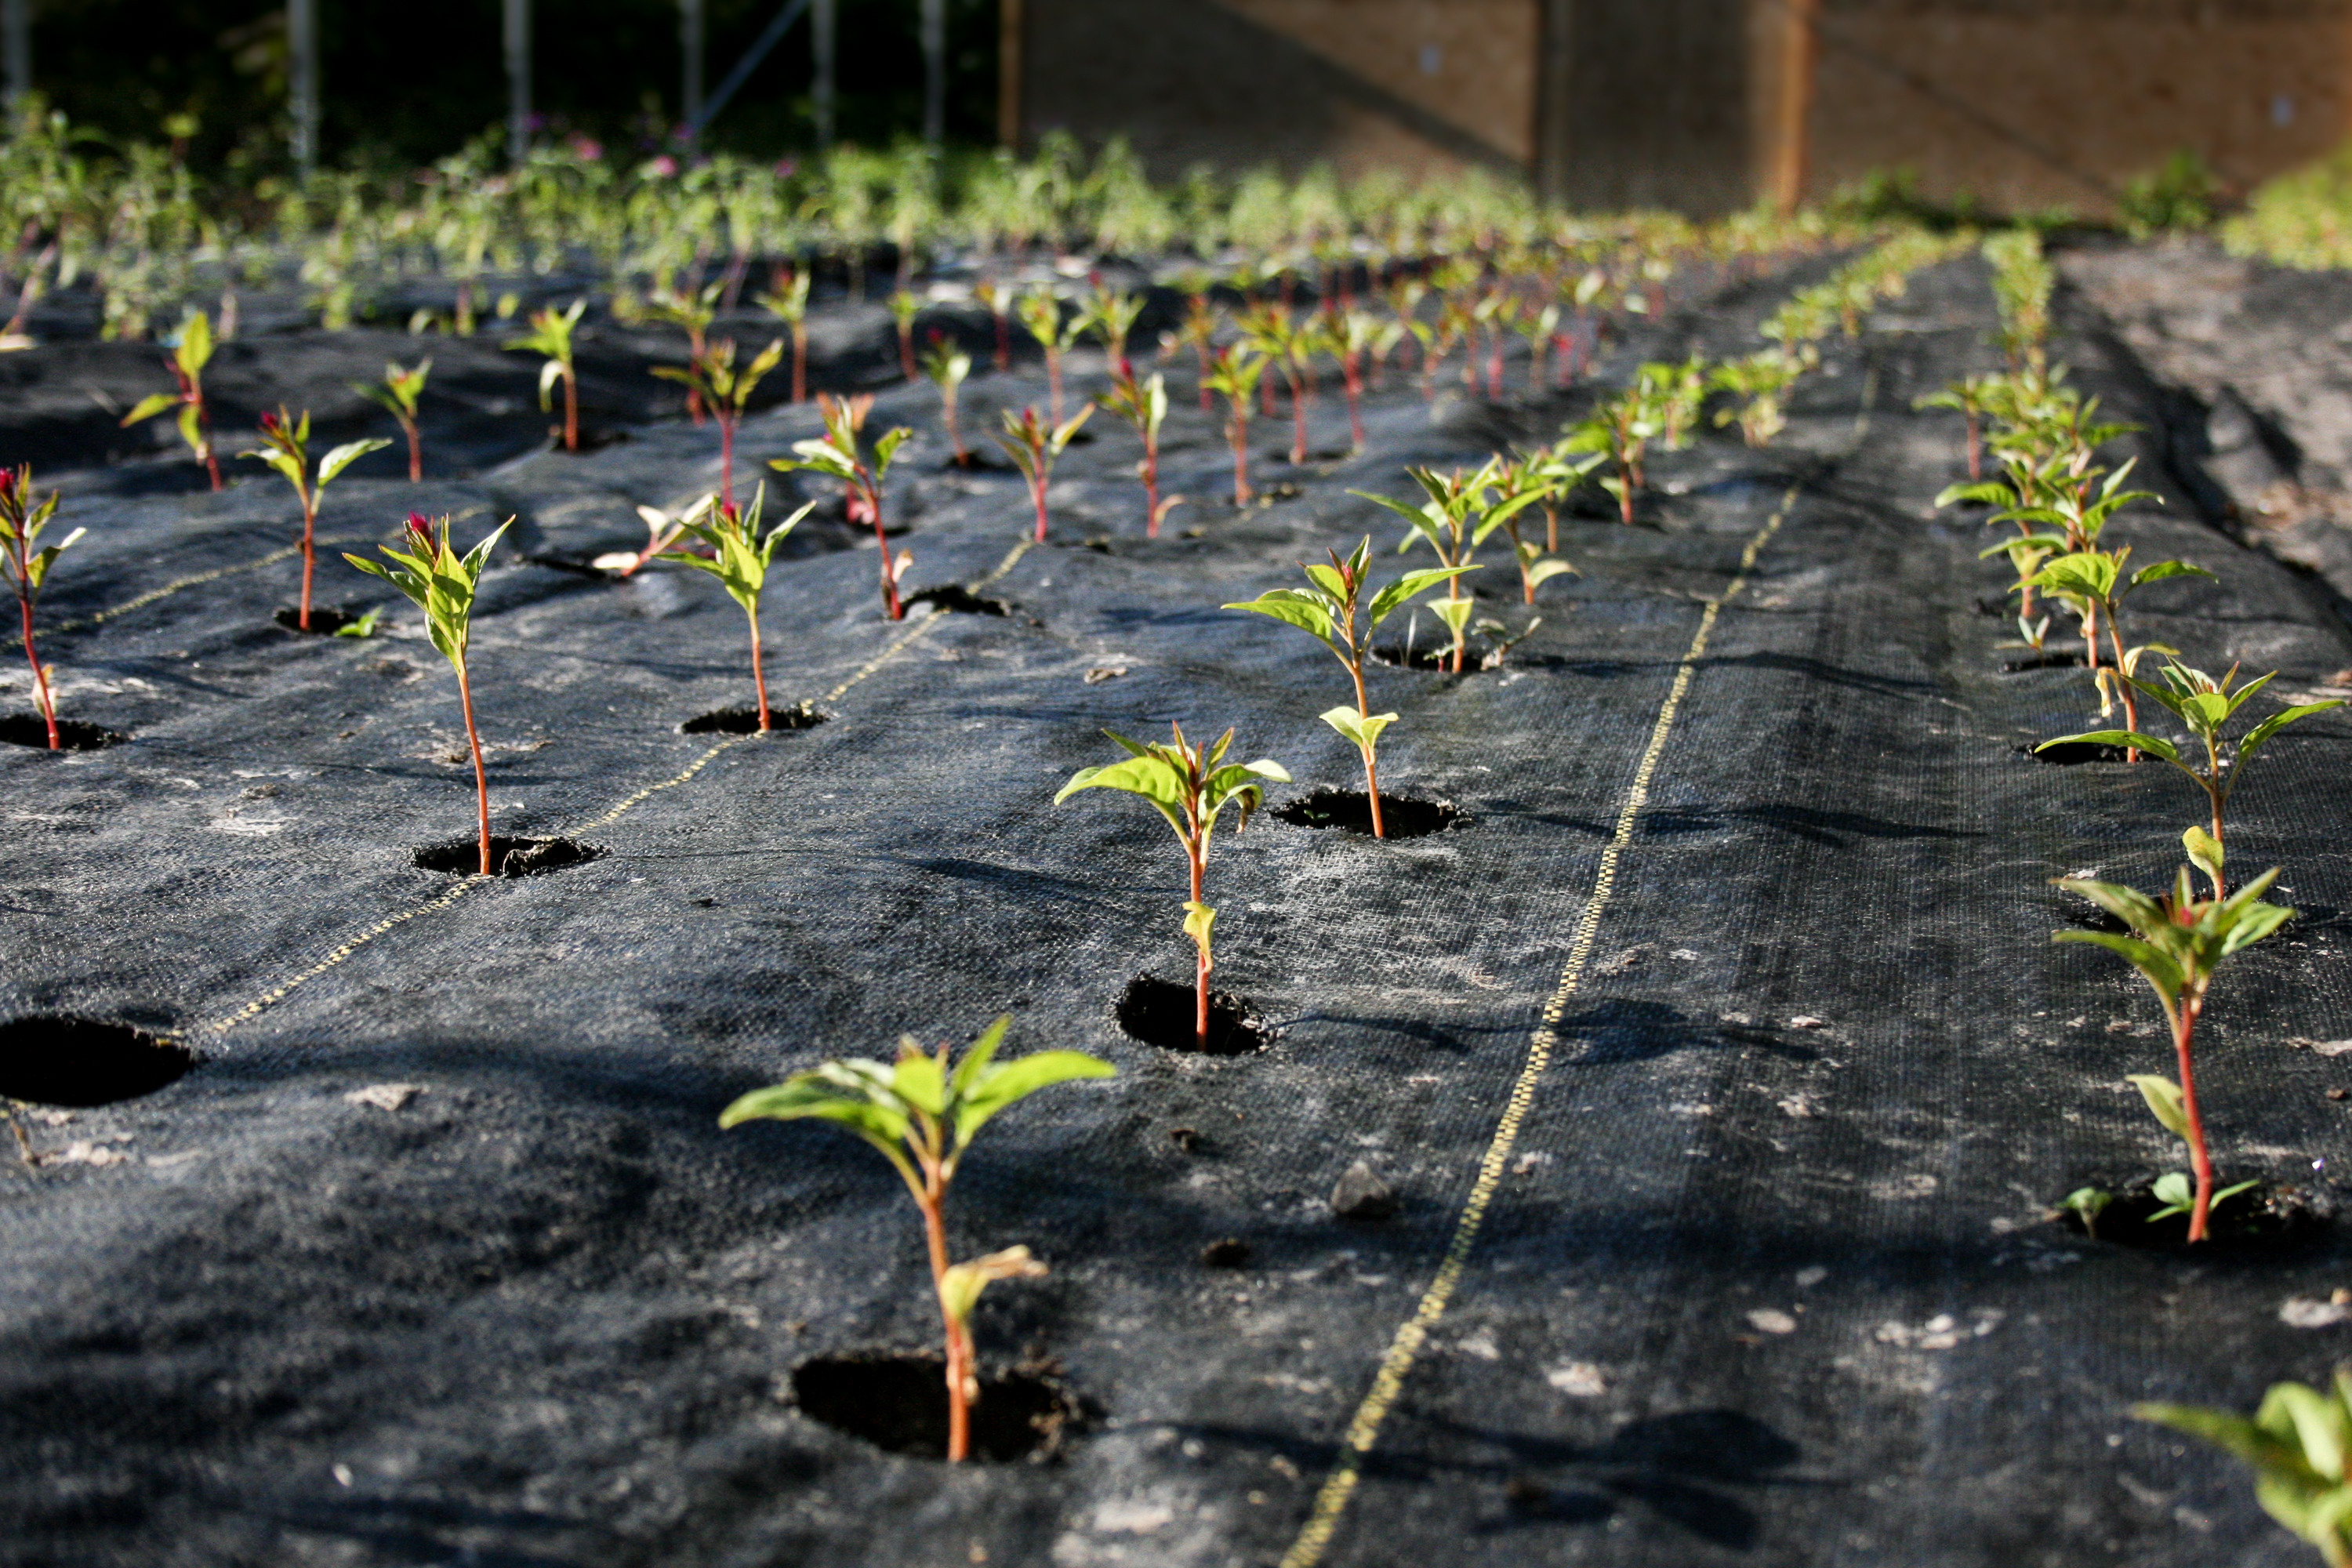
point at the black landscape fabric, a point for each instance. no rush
(1714, 1059)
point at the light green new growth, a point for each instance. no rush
(189, 357)
(551, 335)
(2300, 1446)
(286, 447)
(922, 1113)
(1327, 612)
(1460, 511)
(1185, 783)
(397, 395)
(739, 556)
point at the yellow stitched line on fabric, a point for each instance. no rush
(1331, 1501)
(443, 900)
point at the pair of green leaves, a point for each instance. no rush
(437, 580)
(837, 452)
(189, 357)
(551, 335)
(1032, 441)
(921, 1109)
(788, 301)
(740, 555)
(286, 447)
(1143, 405)
(2176, 1190)
(1184, 782)
(398, 392)
(1327, 611)
(2300, 1446)
(1040, 310)
(712, 373)
(1459, 512)
(2179, 941)
(22, 520)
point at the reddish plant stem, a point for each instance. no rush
(309, 559)
(726, 457)
(1053, 381)
(2184, 1027)
(959, 1343)
(1208, 398)
(1152, 484)
(1196, 852)
(1237, 432)
(1298, 415)
(1371, 776)
(40, 676)
(1037, 492)
(865, 497)
(907, 350)
(416, 453)
(1351, 369)
(800, 363)
(571, 410)
(758, 673)
(481, 779)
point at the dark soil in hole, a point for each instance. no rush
(2073, 753)
(582, 564)
(746, 721)
(324, 621)
(63, 1060)
(957, 598)
(2267, 1220)
(592, 439)
(1998, 609)
(1403, 815)
(1160, 1013)
(899, 1403)
(1437, 657)
(73, 735)
(2044, 661)
(509, 857)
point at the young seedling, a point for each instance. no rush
(1760, 381)
(922, 1113)
(739, 558)
(1539, 326)
(1327, 612)
(1189, 787)
(690, 312)
(836, 454)
(1041, 313)
(948, 366)
(2176, 942)
(905, 306)
(662, 530)
(441, 583)
(362, 626)
(1967, 396)
(187, 367)
(1461, 510)
(551, 335)
(27, 563)
(788, 302)
(998, 300)
(1033, 445)
(2204, 706)
(2096, 583)
(1111, 316)
(712, 377)
(1291, 345)
(1549, 476)
(1145, 407)
(1352, 337)
(286, 447)
(2300, 1446)
(1234, 374)
(396, 394)
(1620, 430)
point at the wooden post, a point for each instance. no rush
(517, 56)
(1799, 54)
(1008, 74)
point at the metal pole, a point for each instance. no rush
(16, 43)
(518, 52)
(821, 36)
(935, 71)
(689, 43)
(302, 82)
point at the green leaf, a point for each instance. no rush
(2263, 1449)
(1200, 921)
(2159, 968)
(344, 456)
(2163, 568)
(1296, 608)
(365, 627)
(806, 1096)
(1413, 584)
(917, 1079)
(2261, 733)
(1545, 568)
(549, 374)
(2176, 1192)
(2205, 851)
(2168, 1105)
(976, 1059)
(195, 344)
(1150, 777)
(2153, 744)
(999, 1087)
(149, 406)
(1364, 730)
(960, 1286)
(1455, 612)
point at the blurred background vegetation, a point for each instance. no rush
(406, 81)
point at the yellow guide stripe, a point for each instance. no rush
(1331, 1501)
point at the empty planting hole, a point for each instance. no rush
(509, 857)
(899, 1403)
(73, 735)
(745, 721)
(2044, 661)
(1350, 809)
(63, 1060)
(2073, 753)
(959, 600)
(1161, 1013)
